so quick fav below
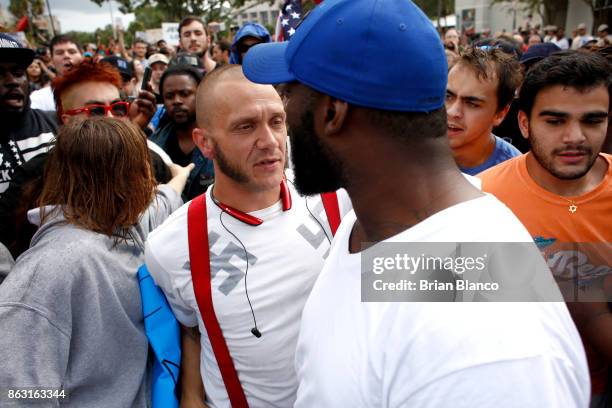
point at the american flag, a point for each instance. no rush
(289, 18)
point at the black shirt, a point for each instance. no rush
(176, 154)
(22, 137)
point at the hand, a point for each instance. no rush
(192, 403)
(177, 170)
(143, 108)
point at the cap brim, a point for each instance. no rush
(267, 64)
(531, 59)
(22, 56)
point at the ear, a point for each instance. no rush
(204, 142)
(523, 122)
(335, 113)
(65, 118)
(499, 116)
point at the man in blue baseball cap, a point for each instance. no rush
(365, 90)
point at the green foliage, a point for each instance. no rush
(148, 17)
(430, 7)
(19, 8)
(174, 10)
(81, 37)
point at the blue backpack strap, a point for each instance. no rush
(163, 333)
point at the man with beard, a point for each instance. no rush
(139, 51)
(380, 132)
(177, 87)
(256, 223)
(65, 53)
(90, 89)
(562, 192)
(194, 39)
(26, 132)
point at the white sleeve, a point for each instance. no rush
(170, 279)
(502, 384)
(164, 156)
(42, 99)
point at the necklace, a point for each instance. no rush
(572, 205)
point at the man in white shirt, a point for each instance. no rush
(380, 132)
(65, 53)
(258, 226)
(581, 37)
(559, 39)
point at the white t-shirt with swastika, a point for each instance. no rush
(285, 255)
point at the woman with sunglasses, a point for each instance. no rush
(70, 310)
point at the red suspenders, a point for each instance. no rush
(197, 230)
(332, 210)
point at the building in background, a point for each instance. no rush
(6, 19)
(481, 15)
(264, 13)
(43, 23)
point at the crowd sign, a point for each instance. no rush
(171, 35)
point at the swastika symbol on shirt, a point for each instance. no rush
(222, 262)
(315, 239)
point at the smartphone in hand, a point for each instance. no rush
(146, 78)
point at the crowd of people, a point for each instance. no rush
(252, 181)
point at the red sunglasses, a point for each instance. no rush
(117, 109)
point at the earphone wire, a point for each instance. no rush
(313, 216)
(246, 272)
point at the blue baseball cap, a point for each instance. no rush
(121, 64)
(538, 52)
(382, 54)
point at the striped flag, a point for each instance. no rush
(289, 18)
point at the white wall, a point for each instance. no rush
(578, 12)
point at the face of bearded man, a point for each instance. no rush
(315, 166)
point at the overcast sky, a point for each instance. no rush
(83, 15)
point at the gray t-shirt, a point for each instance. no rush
(71, 314)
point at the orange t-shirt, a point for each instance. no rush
(577, 245)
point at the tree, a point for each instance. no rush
(602, 12)
(19, 8)
(149, 17)
(173, 10)
(433, 7)
(82, 37)
(553, 12)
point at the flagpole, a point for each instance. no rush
(50, 18)
(110, 6)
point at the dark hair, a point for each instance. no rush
(99, 174)
(139, 40)
(190, 19)
(224, 45)
(179, 70)
(494, 61)
(507, 44)
(574, 69)
(63, 38)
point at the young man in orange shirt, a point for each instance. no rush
(562, 192)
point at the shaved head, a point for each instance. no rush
(241, 127)
(214, 87)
